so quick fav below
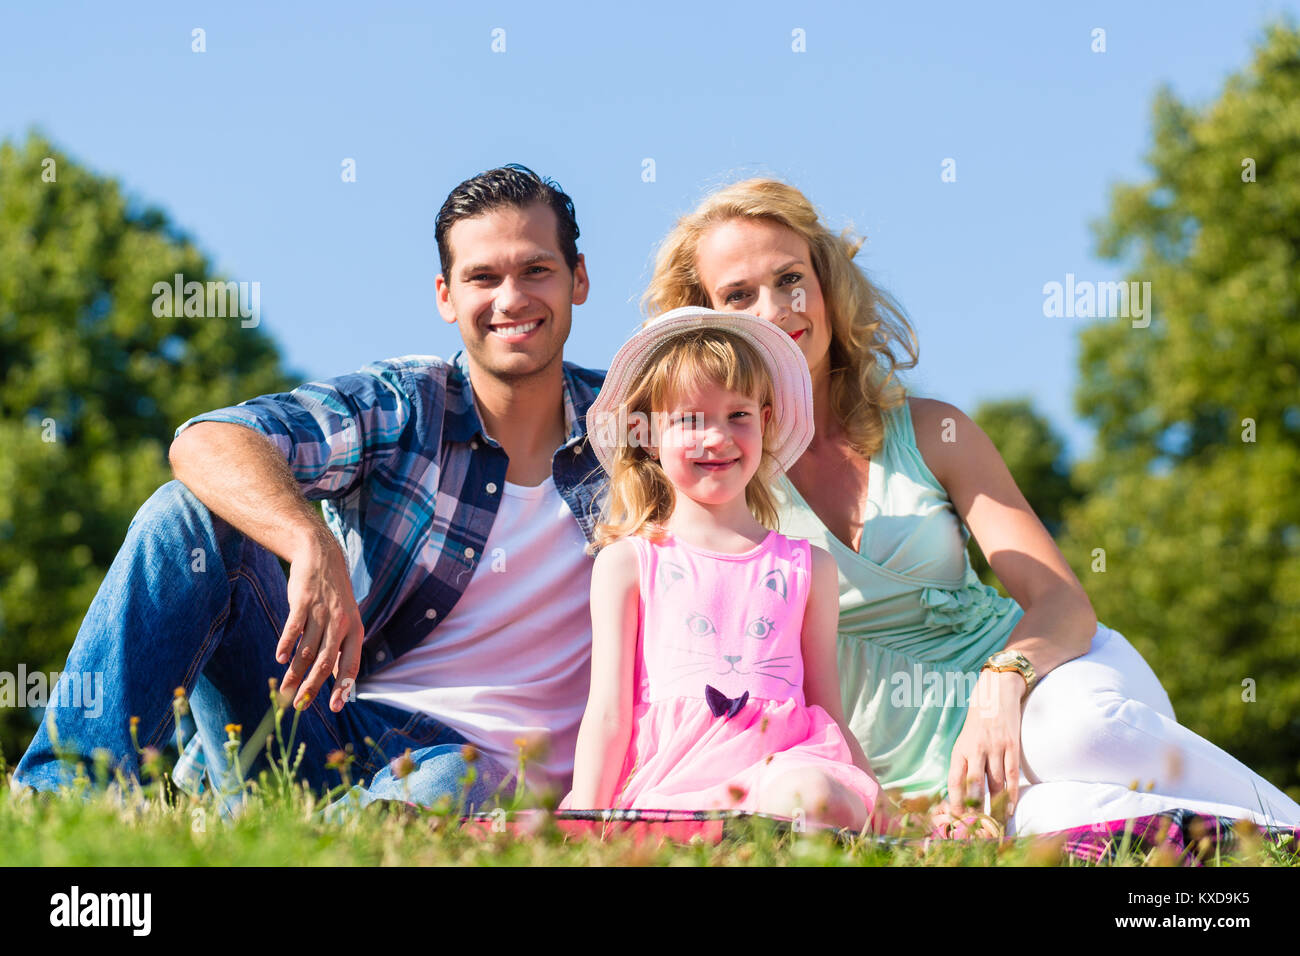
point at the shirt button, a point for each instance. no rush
(431, 613)
(492, 487)
(381, 656)
(469, 552)
(577, 449)
(474, 444)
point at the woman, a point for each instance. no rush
(936, 668)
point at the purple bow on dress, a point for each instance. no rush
(721, 704)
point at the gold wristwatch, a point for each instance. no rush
(1013, 661)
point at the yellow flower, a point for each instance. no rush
(336, 759)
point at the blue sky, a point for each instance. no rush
(242, 145)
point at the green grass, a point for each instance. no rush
(104, 820)
(157, 826)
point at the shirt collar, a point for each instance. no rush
(461, 420)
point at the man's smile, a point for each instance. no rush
(515, 333)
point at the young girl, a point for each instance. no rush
(713, 679)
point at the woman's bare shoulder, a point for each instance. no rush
(942, 431)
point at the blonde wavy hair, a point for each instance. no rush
(867, 325)
(640, 498)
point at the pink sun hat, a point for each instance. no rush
(791, 427)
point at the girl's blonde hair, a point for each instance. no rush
(639, 496)
(866, 324)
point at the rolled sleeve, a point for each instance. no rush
(332, 433)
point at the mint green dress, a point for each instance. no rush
(916, 624)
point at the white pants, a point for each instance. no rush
(1099, 724)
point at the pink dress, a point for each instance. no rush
(720, 709)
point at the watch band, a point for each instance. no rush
(1004, 661)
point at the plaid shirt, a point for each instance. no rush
(409, 482)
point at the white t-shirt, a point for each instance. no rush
(512, 659)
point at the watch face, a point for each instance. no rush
(1004, 657)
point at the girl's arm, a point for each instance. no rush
(821, 679)
(1059, 621)
(606, 727)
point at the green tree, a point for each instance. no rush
(92, 386)
(1189, 538)
(1035, 456)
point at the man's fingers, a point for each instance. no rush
(345, 671)
(322, 659)
(292, 630)
(304, 656)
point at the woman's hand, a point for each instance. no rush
(988, 748)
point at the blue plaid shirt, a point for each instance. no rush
(409, 482)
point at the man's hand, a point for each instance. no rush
(243, 478)
(324, 623)
(988, 747)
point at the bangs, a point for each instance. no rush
(706, 359)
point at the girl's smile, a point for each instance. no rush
(712, 445)
(716, 465)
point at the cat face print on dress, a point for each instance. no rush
(730, 644)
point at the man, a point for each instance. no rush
(448, 573)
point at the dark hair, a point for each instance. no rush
(514, 186)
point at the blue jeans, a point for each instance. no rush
(191, 602)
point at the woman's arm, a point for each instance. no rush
(1059, 621)
(606, 727)
(821, 681)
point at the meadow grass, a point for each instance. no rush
(157, 825)
(104, 819)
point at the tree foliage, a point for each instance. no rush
(1188, 538)
(92, 386)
